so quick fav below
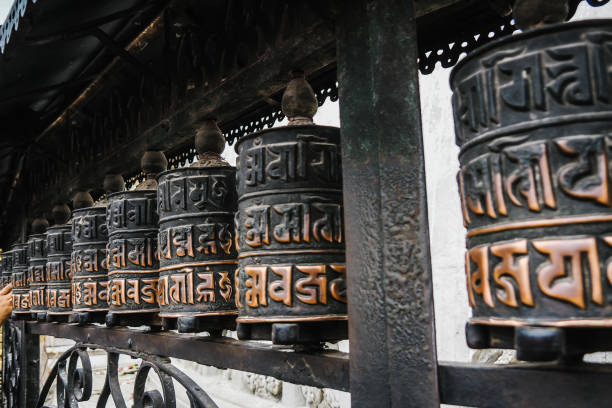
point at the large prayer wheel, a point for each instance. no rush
(533, 117)
(289, 227)
(133, 262)
(88, 260)
(21, 285)
(196, 208)
(37, 265)
(5, 270)
(59, 274)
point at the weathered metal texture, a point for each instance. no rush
(133, 263)
(525, 385)
(37, 276)
(7, 267)
(196, 208)
(20, 371)
(320, 368)
(532, 116)
(289, 226)
(391, 325)
(21, 284)
(59, 271)
(89, 259)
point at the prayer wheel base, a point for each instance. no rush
(41, 316)
(294, 332)
(541, 343)
(151, 319)
(58, 318)
(89, 317)
(214, 325)
(23, 316)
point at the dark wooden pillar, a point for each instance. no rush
(391, 327)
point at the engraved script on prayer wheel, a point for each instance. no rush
(7, 267)
(21, 285)
(196, 208)
(37, 263)
(5, 279)
(88, 260)
(133, 263)
(289, 222)
(59, 273)
(533, 114)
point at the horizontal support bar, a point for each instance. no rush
(525, 385)
(323, 369)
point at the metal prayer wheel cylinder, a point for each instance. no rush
(37, 276)
(88, 259)
(197, 255)
(21, 285)
(59, 273)
(7, 268)
(533, 117)
(133, 265)
(291, 265)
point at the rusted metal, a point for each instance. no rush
(37, 262)
(532, 115)
(133, 261)
(21, 285)
(88, 260)
(289, 227)
(196, 208)
(59, 271)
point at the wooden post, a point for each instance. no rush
(391, 315)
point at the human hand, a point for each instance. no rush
(6, 302)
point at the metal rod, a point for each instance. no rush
(327, 369)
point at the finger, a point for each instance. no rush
(6, 290)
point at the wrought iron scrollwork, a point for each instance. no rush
(74, 383)
(12, 365)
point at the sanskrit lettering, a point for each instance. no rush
(566, 269)
(305, 284)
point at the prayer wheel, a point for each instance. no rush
(21, 285)
(5, 279)
(290, 281)
(37, 265)
(88, 260)
(59, 273)
(196, 207)
(7, 267)
(533, 117)
(133, 262)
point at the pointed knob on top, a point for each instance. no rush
(209, 143)
(39, 225)
(113, 183)
(82, 199)
(152, 163)
(61, 213)
(536, 13)
(299, 101)
(209, 138)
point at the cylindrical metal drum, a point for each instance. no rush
(88, 261)
(196, 208)
(21, 285)
(37, 263)
(289, 227)
(7, 267)
(133, 264)
(3, 278)
(533, 114)
(59, 273)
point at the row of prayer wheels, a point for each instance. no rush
(207, 247)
